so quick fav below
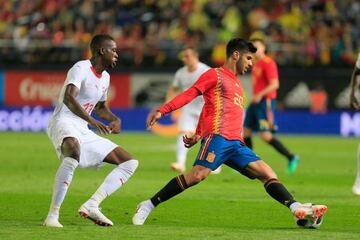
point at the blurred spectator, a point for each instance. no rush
(150, 32)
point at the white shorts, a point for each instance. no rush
(188, 121)
(93, 148)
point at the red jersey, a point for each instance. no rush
(223, 110)
(263, 71)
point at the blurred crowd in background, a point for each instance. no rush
(151, 32)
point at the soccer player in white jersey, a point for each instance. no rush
(355, 103)
(85, 90)
(184, 78)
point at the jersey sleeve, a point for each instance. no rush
(179, 101)
(358, 62)
(206, 81)
(105, 93)
(104, 96)
(75, 76)
(271, 70)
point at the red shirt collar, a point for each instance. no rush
(227, 70)
(98, 75)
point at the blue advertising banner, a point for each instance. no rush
(2, 88)
(35, 119)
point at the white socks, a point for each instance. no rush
(149, 204)
(62, 182)
(113, 181)
(294, 206)
(357, 180)
(181, 152)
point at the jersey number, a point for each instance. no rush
(239, 100)
(88, 107)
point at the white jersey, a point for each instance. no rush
(358, 61)
(93, 88)
(184, 80)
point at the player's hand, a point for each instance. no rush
(102, 128)
(256, 98)
(115, 126)
(354, 103)
(152, 118)
(191, 141)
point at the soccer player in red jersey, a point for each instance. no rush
(220, 128)
(260, 114)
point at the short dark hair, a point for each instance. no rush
(239, 44)
(192, 48)
(97, 41)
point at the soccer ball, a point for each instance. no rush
(309, 222)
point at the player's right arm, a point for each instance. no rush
(71, 92)
(355, 83)
(271, 73)
(179, 101)
(205, 82)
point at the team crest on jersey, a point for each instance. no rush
(210, 157)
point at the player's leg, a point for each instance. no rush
(248, 137)
(356, 186)
(293, 160)
(170, 190)
(181, 153)
(267, 125)
(70, 150)
(260, 170)
(249, 164)
(187, 124)
(210, 157)
(250, 124)
(126, 166)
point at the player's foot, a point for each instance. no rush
(356, 189)
(142, 212)
(309, 210)
(177, 167)
(95, 215)
(52, 222)
(216, 171)
(293, 164)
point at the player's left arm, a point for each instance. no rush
(271, 73)
(103, 111)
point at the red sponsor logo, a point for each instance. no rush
(32, 87)
(42, 88)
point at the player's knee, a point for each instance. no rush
(266, 176)
(131, 165)
(70, 148)
(199, 176)
(266, 136)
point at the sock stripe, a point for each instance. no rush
(182, 179)
(178, 180)
(270, 181)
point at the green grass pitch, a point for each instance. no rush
(225, 206)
